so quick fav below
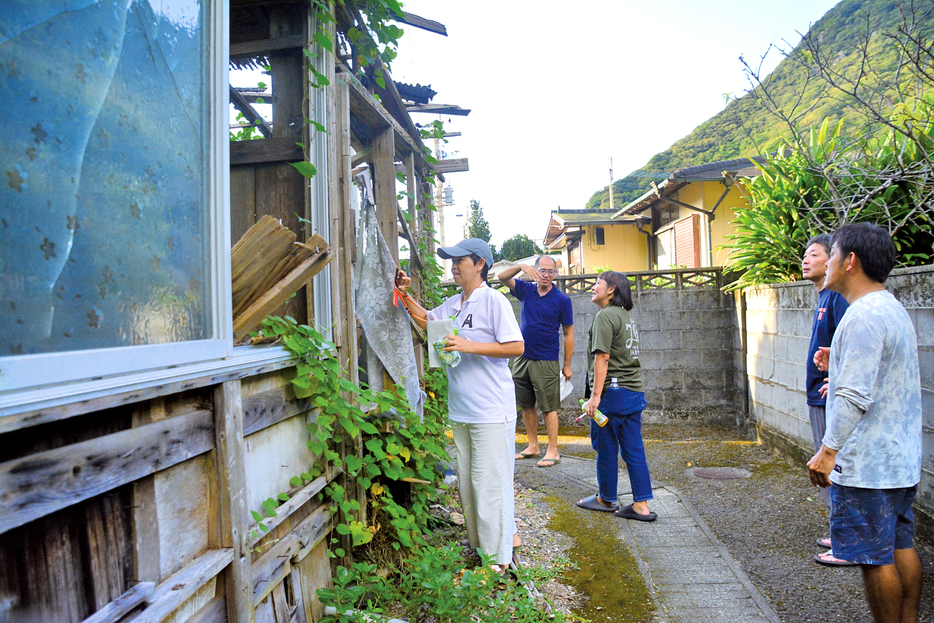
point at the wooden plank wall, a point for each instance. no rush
(145, 509)
(136, 508)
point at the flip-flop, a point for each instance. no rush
(627, 512)
(824, 542)
(553, 462)
(523, 455)
(593, 504)
(827, 558)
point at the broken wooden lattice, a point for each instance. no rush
(267, 267)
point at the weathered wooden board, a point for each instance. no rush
(44, 482)
(106, 531)
(99, 396)
(260, 383)
(261, 47)
(314, 573)
(264, 150)
(181, 586)
(194, 604)
(275, 564)
(263, 410)
(182, 506)
(215, 611)
(279, 294)
(296, 500)
(229, 500)
(273, 456)
(117, 609)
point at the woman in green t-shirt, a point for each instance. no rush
(616, 388)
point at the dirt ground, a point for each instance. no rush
(768, 521)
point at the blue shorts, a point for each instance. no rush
(868, 525)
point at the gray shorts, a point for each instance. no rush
(538, 383)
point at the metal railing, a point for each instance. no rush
(643, 281)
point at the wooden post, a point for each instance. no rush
(288, 119)
(412, 188)
(145, 520)
(229, 501)
(385, 189)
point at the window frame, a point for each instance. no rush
(42, 381)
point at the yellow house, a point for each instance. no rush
(690, 212)
(591, 238)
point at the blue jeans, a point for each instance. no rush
(622, 434)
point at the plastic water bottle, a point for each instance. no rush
(598, 417)
(613, 383)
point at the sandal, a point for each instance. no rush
(825, 543)
(594, 503)
(827, 558)
(628, 512)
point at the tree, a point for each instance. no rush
(519, 246)
(881, 171)
(477, 227)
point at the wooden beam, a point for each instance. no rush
(262, 47)
(229, 500)
(181, 586)
(420, 22)
(411, 187)
(364, 107)
(407, 235)
(439, 109)
(265, 150)
(360, 157)
(117, 609)
(384, 187)
(249, 112)
(452, 165)
(288, 71)
(42, 483)
(252, 96)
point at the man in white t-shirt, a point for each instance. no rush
(870, 456)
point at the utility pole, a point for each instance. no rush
(611, 182)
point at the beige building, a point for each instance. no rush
(691, 213)
(588, 239)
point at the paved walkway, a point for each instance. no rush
(687, 570)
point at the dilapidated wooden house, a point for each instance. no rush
(138, 429)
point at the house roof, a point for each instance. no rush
(565, 225)
(679, 178)
(415, 93)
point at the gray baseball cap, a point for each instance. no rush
(470, 246)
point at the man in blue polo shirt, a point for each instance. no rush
(830, 309)
(536, 373)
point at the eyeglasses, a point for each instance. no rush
(547, 271)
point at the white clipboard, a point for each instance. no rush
(437, 329)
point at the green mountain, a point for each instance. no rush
(746, 128)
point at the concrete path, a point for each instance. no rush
(687, 570)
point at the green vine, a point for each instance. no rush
(433, 586)
(398, 446)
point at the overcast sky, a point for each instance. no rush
(556, 92)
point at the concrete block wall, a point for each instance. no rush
(778, 326)
(687, 353)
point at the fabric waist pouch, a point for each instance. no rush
(622, 401)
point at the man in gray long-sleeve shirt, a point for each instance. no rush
(871, 453)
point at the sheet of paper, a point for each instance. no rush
(565, 387)
(437, 329)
